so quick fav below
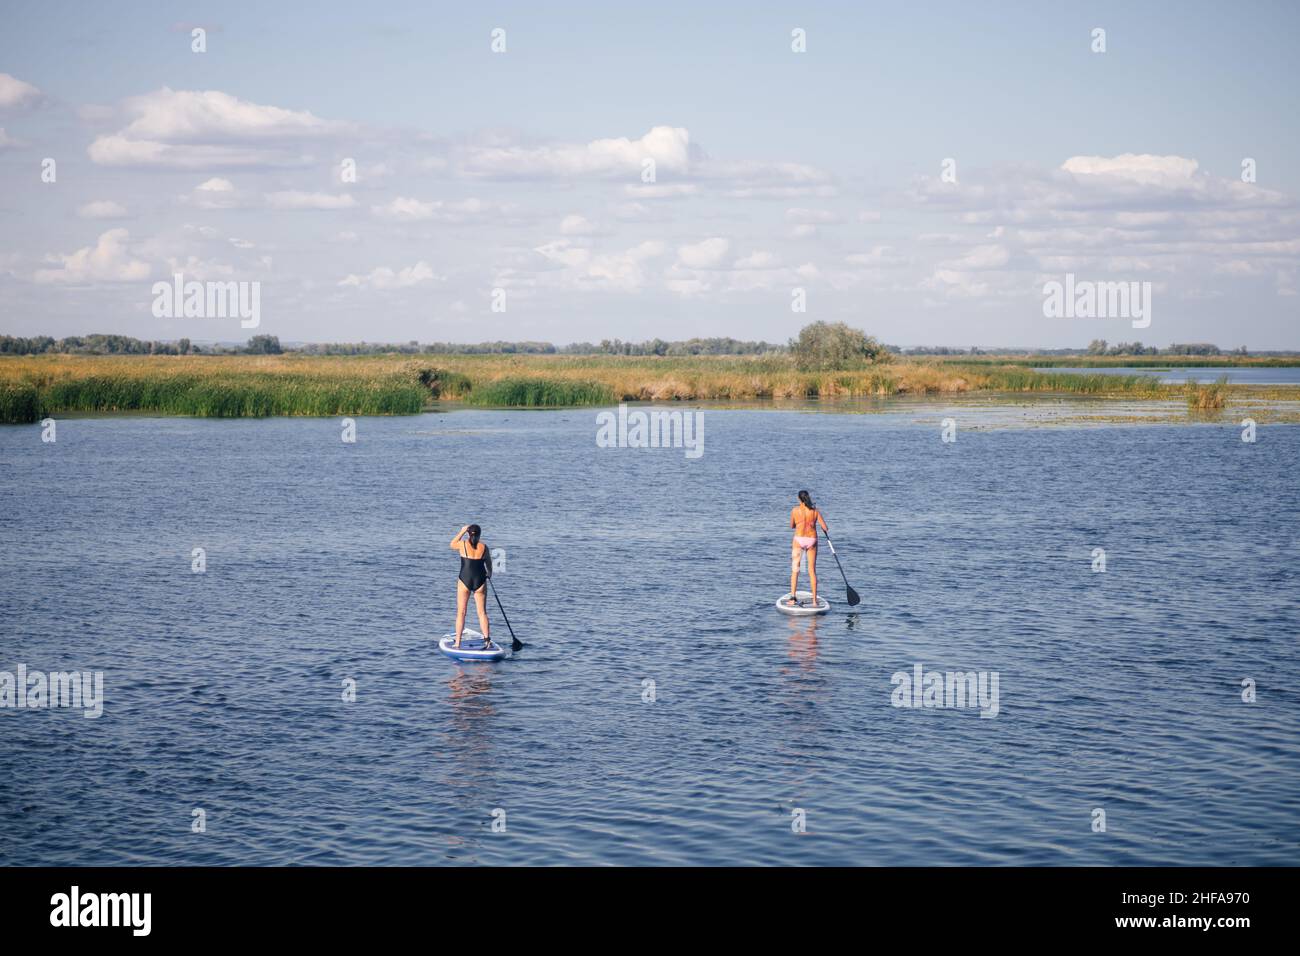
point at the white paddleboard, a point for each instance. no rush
(472, 647)
(804, 606)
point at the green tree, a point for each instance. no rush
(264, 345)
(824, 346)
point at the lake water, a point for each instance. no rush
(1119, 691)
(1285, 375)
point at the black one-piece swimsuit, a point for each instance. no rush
(473, 571)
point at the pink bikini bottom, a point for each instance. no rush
(805, 544)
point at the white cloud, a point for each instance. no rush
(633, 211)
(810, 216)
(102, 209)
(661, 190)
(193, 129)
(876, 257)
(575, 225)
(108, 260)
(703, 255)
(979, 258)
(1139, 168)
(957, 285)
(216, 193)
(385, 278)
(367, 174)
(192, 267)
(404, 209)
(120, 151)
(782, 192)
(582, 268)
(1106, 217)
(18, 95)
(191, 116)
(668, 146)
(294, 199)
(757, 260)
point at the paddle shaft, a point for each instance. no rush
(515, 643)
(852, 593)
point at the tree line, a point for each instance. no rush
(270, 345)
(820, 345)
(1102, 347)
(92, 345)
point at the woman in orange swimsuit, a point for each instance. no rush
(804, 518)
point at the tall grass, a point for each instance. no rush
(1211, 397)
(252, 386)
(1021, 379)
(540, 393)
(19, 402)
(254, 396)
(213, 387)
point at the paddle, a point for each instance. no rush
(515, 643)
(853, 598)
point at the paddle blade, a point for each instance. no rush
(516, 644)
(854, 600)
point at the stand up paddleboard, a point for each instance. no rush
(472, 647)
(804, 606)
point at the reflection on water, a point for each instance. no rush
(802, 643)
(471, 703)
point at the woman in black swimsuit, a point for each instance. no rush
(475, 569)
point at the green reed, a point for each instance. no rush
(540, 393)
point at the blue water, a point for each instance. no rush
(1282, 375)
(326, 561)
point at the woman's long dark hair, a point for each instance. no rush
(807, 501)
(474, 531)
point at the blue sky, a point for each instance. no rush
(522, 171)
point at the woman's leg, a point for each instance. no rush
(462, 602)
(794, 568)
(812, 571)
(480, 600)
